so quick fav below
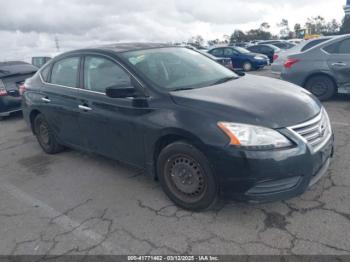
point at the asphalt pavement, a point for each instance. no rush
(75, 203)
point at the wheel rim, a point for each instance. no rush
(247, 67)
(319, 88)
(44, 133)
(185, 178)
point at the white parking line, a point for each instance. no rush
(62, 220)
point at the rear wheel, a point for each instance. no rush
(186, 177)
(321, 86)
(247, 66)
(45, 136)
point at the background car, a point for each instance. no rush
(279, 43)
(39, 61)
(241, 57)
(12, 76)
(225, 61)
(323, 70)
(270, 51)
(277, 65)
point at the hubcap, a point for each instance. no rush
(44, 133)
(319, 88)
(185, 178)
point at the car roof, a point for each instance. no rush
(16, 67)
(126, 47)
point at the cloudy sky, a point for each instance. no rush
(29, 27)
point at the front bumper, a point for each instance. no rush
(264, 176)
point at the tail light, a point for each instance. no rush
(3, 91)
(21, 88)
(275, 57)
(290, 62)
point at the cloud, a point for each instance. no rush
(33, 25)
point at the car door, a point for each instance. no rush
(110, 125)
(59, 101)
(339, 63)
(217, 52)
(233, 54)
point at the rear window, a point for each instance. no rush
(314, 43)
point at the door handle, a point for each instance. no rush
(339, 64)
(84, 108)
(45, 99)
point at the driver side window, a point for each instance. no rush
(100, 73)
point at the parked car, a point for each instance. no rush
(270, 51)
(12, 76)
(225, 61)
(196, 126)
(324, 70)
(277, 65)
(39, 61)
(242, 58)
(296, 41)
(279, 43)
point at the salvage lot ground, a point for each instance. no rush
(74, 203)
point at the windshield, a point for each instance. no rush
(177, 68)
(241, 50)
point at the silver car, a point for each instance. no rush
(277, 66)
(324, 69)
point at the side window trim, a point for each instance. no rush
(48, 81)
(82, 78)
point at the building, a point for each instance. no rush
(347, 8)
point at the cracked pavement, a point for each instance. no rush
(74, 203)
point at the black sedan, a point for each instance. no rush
(270, 51)
(12, 76)
(203, 131)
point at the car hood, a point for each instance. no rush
(253, 100)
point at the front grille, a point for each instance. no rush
(315, 132)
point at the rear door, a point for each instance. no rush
(339, 63)
(59, 101)
(111, 126)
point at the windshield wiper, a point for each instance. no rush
(225, 79)
(182, 88)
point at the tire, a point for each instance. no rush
(45, 136)
(247, 66)
(186, 177)
(323, 87)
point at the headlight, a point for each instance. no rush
(259, 58)
(254, 136)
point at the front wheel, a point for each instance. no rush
(186, 177)
(321, 86)
(247, 66)
(45, 136)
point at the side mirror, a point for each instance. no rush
(124, 90)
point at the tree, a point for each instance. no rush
(237, 36)
(316, 25)
(332, 28)
(196, 41)
(284, 31)
(264, 26)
